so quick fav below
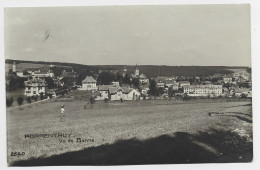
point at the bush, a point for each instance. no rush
(186, 97)
(50, 95)
(9, 101)
(36, 98)
(243, 96)
(28, 99)
(20, 100)
(92, 100)
(41, 96)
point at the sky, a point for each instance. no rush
(205, 35)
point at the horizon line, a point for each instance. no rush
(130, 64)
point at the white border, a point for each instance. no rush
(255, 46)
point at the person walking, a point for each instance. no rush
(62, 116)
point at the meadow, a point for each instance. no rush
(118, 133)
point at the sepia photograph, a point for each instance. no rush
(128, 85)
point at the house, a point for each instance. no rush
(239, 91)
(144, 90)
(34, 87)
(115, 83)
(102, 92)
(89, 83)
(160, 84)
(143, 79)
(206, 83)
(169, 83)
(203, 90)
(113, 92)
(43, 73)
(69, 74)
(227, 79)
(175, 86)
(124, 93)
(183, 83)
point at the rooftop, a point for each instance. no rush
(35, 82)
(89, 79)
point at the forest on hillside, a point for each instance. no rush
(148, 70)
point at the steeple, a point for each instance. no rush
(14, 67)
(136, 71)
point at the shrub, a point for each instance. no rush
(9, 101)
(186, 97)
(41, 96)
(92, 100)
(20, 100)
(50, 95)
(243, 96)
(28, 99)
(36, 98)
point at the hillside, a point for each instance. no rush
(148, 70)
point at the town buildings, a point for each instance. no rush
(113, 92)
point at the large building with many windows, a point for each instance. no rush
(34, 87)
(203, 90)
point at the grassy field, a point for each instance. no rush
(131, 133)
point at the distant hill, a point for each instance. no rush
(148, 70)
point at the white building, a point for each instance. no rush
(34, 87)
(203, 90)
(42, 74)
(160, 84)
(183, 83)
(123, 93)
(89, 83)
(115, 93)
(103, 92)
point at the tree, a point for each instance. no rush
(159, 91)
(15, 83)
(35, 98)
(41, 96)
(119, 78)
(92, 100)
(9, 101)
(69, 81)
(20, 100)
(50, 95)
(106, 78)
(50, 83)
(152, 87)
(170, 92)
(135, 82)
(186, 97)
(243, 96)
(126, 79)
(28, 98)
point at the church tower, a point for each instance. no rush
(136, 71)
(14, 67)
